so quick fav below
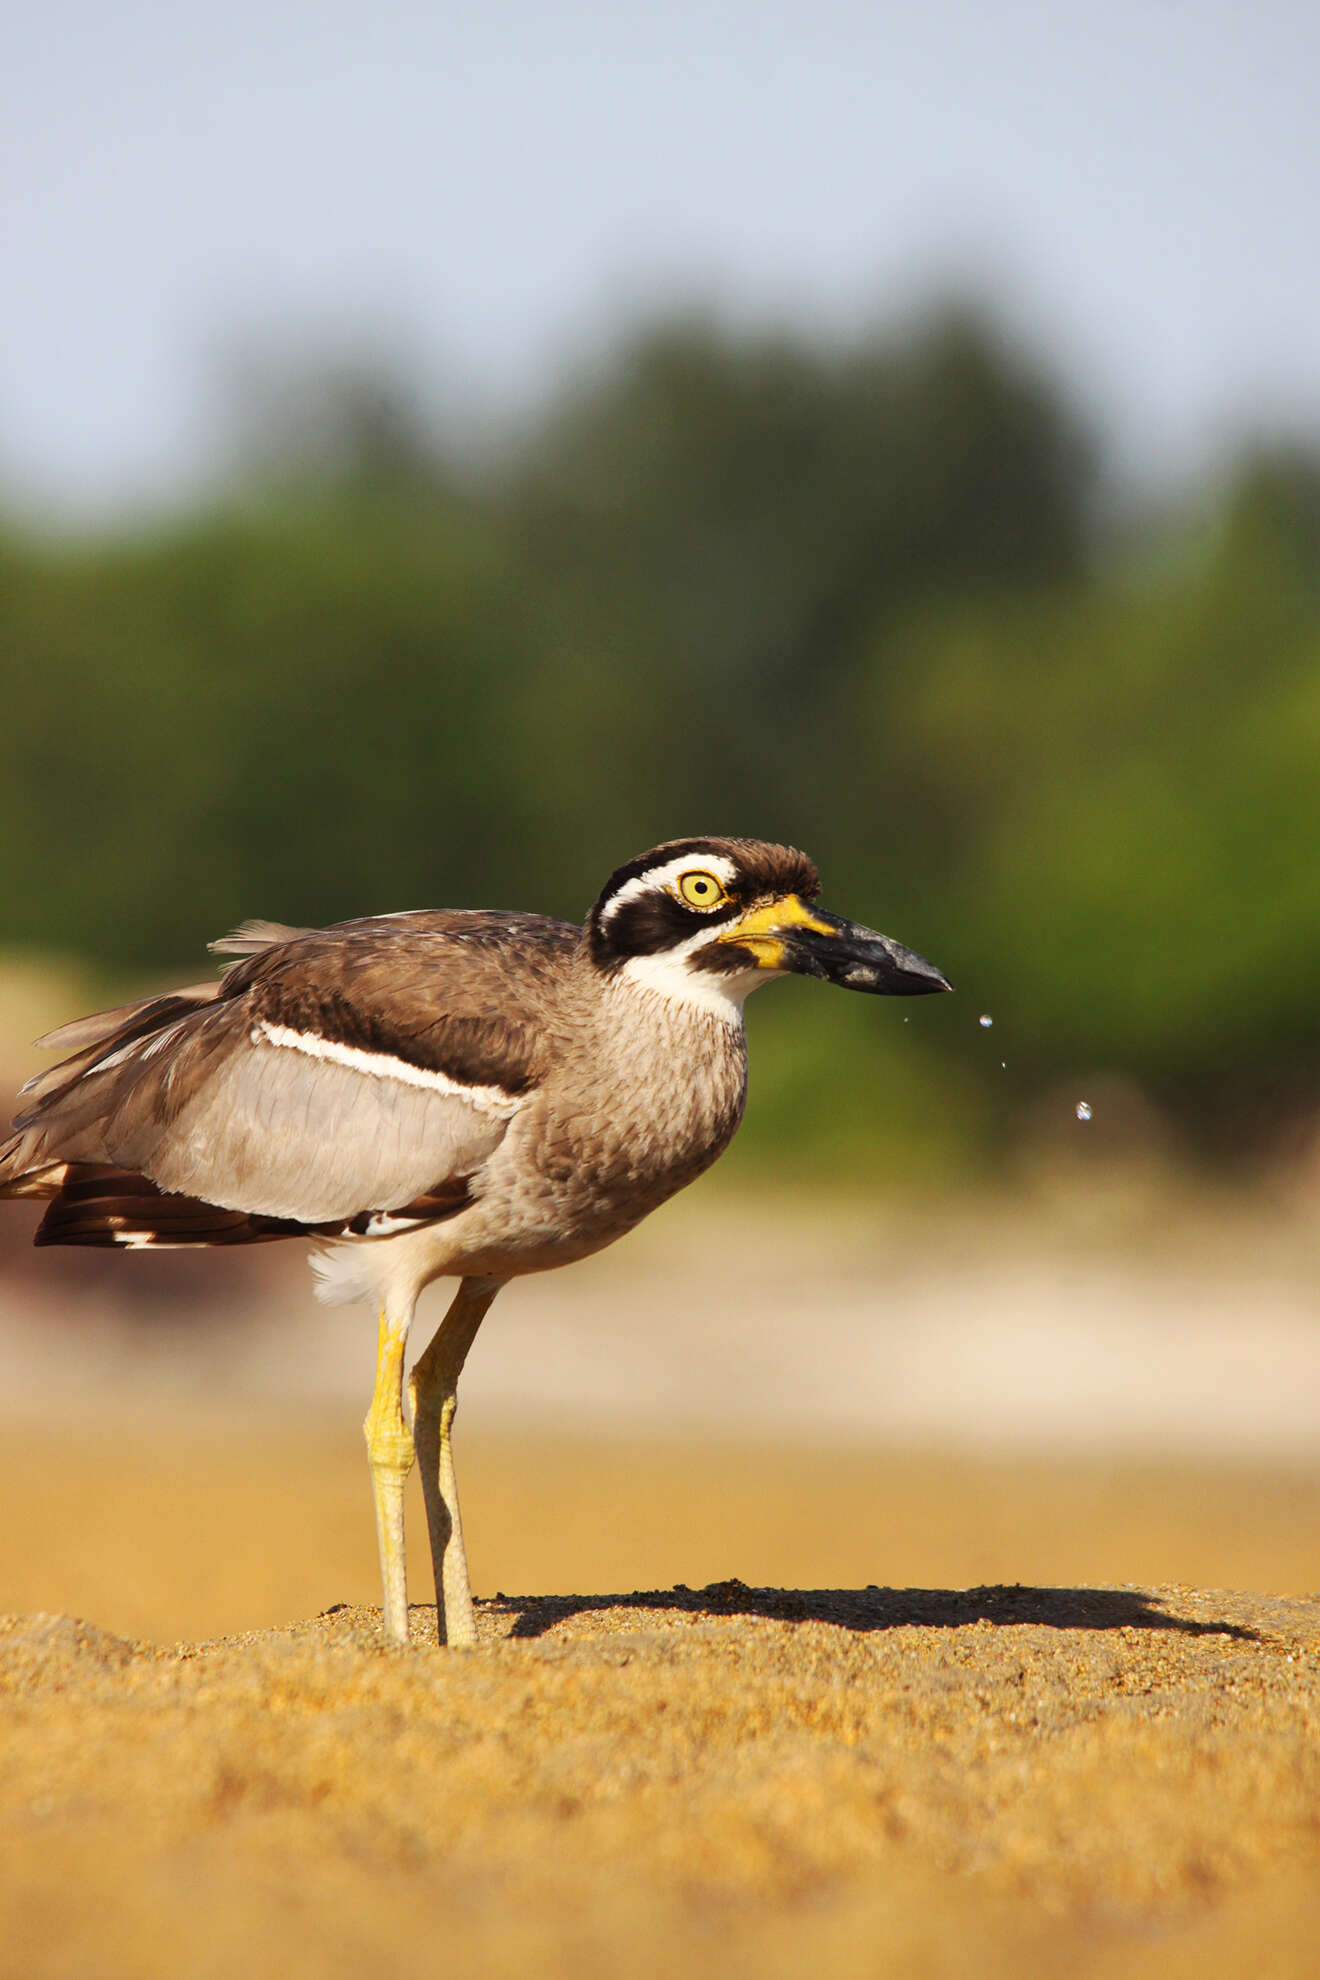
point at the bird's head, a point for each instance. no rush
(705, 920)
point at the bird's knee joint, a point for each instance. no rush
(432, 1404)
(389, 1448)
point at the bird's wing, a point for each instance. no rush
(250, 938)
(355, 1070)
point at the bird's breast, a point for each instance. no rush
(631, 1114)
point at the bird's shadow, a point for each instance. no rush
(874, 1609)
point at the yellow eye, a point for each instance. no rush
(702, 890)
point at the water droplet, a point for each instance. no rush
(985, 1021)
(1083, 1110)
(1003, 1065)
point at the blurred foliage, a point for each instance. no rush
(858, 598)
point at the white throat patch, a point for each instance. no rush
(668, 974)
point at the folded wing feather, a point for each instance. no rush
(327, 1075)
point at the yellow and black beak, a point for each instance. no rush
(789, 934)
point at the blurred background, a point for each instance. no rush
(445, 451)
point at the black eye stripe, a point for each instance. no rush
(653, 922)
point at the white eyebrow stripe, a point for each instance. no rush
(383, 1065)
(661, 879)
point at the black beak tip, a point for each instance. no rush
(924, 982)
(904, 974)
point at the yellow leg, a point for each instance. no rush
(433, 1387)
(390, 1454)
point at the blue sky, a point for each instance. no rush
(483, 190)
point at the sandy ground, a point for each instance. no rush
(929, 1776)
(946, 1694)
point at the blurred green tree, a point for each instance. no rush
(1122, 777)
(733, 515)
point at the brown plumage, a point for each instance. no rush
(474, 1094)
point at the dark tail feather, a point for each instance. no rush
(94, 1204)
(108, 1207)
